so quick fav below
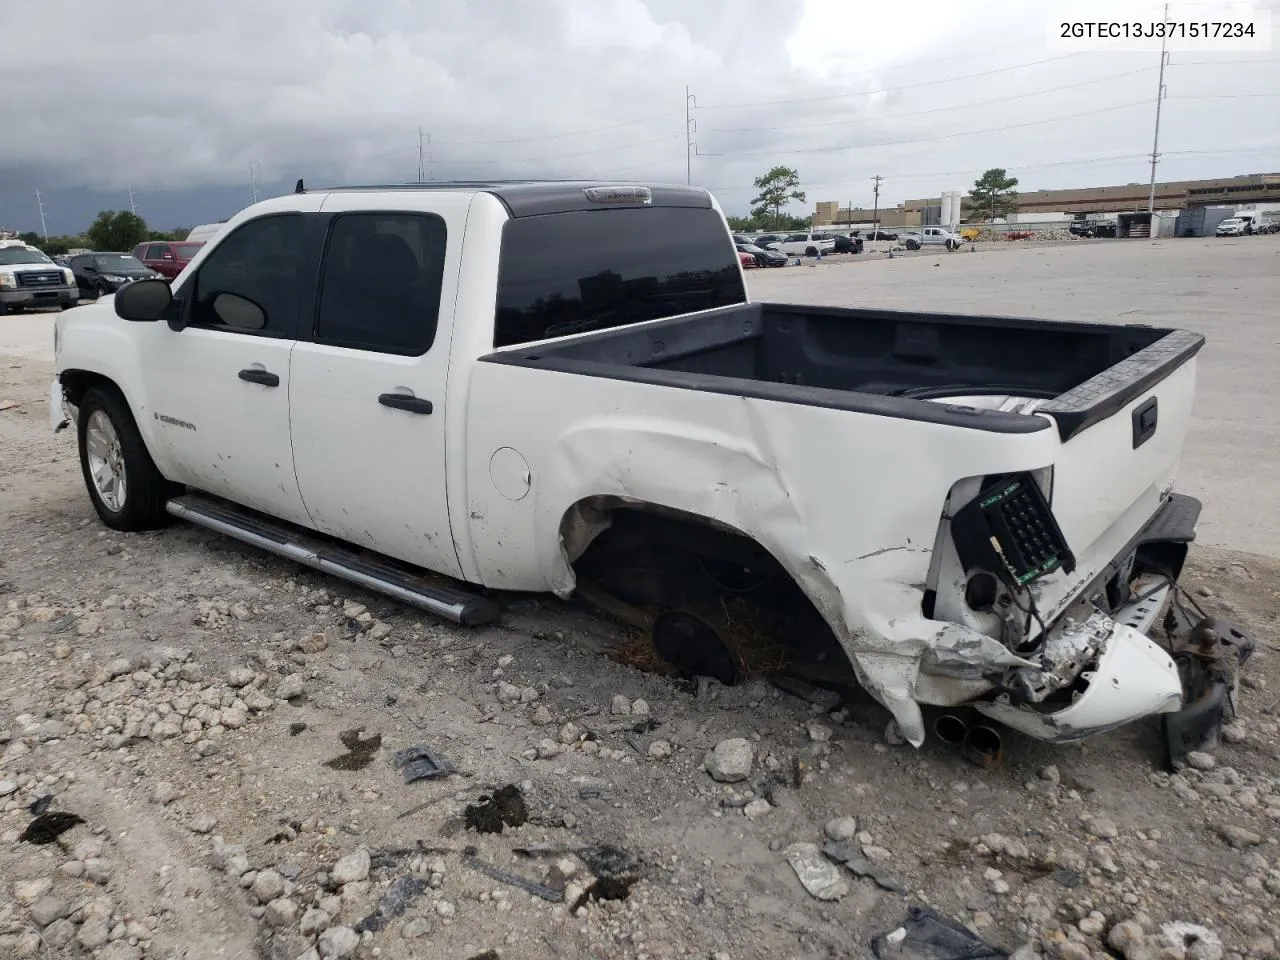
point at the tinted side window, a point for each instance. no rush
(570, 273)
(157, 251)
(259, 261)
(380, 289)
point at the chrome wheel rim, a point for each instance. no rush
(106, 461)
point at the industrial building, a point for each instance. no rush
(1035, 204)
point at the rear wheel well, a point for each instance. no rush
(657, 559)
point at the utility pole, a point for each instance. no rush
(132, 207)
(253, 177)
(423, 157)
(690, 128)
(1155, 143)
(44, 227)
(875, 210)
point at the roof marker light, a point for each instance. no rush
(626, 194)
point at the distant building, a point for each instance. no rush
(1172, 195)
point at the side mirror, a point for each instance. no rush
(143, 301)
(237, 311)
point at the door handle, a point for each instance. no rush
(403, 401)
(264, 377)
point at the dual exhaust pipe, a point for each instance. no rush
(980, 745)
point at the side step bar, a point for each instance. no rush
(380, 576)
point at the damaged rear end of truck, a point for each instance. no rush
(982, 509)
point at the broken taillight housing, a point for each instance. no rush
(1009, 530)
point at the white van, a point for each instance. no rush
(205, 231)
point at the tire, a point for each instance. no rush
(811, 251)
(100, 291)
(912, 245)
(110, 443)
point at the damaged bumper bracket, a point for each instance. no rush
(1208, 658)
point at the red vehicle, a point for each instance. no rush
(747, 260)
(166, 257)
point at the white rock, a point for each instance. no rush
(337, 942)
(508, 693)
(289, 688)
(819, 876)
(280, 913)
(640, 708)
(240, 677)
(29, 891)
(659, 750)
(819, 732)
(164, 793)
(314, 921)
(757, 808)
(267, 885)
(1201, 761)
(841, 829)
(352, 868)
(204, 823)
(620, 706)
(731, 760)
(541, 717)
(445, 909)
(7, 787)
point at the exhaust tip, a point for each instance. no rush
(950, 728)
(985, 747)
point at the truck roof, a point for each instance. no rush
(528, 198)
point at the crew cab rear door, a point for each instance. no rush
(367, 387)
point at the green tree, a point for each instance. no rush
(117, 230)
(993, 193)
(742, 224)
(777, 188)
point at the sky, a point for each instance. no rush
(195, 105)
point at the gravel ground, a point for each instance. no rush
(186, 698)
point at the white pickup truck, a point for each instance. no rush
(443, 392)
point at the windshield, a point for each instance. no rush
(12, 255)
(1231, 222)
(188, 250)
(119, 263)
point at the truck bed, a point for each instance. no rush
(886, 362)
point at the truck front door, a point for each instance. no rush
(220, 392)
(368, 380)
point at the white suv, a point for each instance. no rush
(808, 244)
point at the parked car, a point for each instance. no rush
(626, 399)
(167, 258)
(932, 237)
(874, 234)
(30, 279)
(807, 244)
(98, 274)
(768, 240)
(1231, 227)
(747, 260)
(847, 244)
(763, 257)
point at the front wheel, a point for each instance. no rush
(126, 488)
(912, 245)
(811, 252)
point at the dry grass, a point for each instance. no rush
(741, 624)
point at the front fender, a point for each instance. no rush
(93, 340)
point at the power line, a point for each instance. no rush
(1018, 167)
(920, 113)
(936, 136)
(898, 89)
